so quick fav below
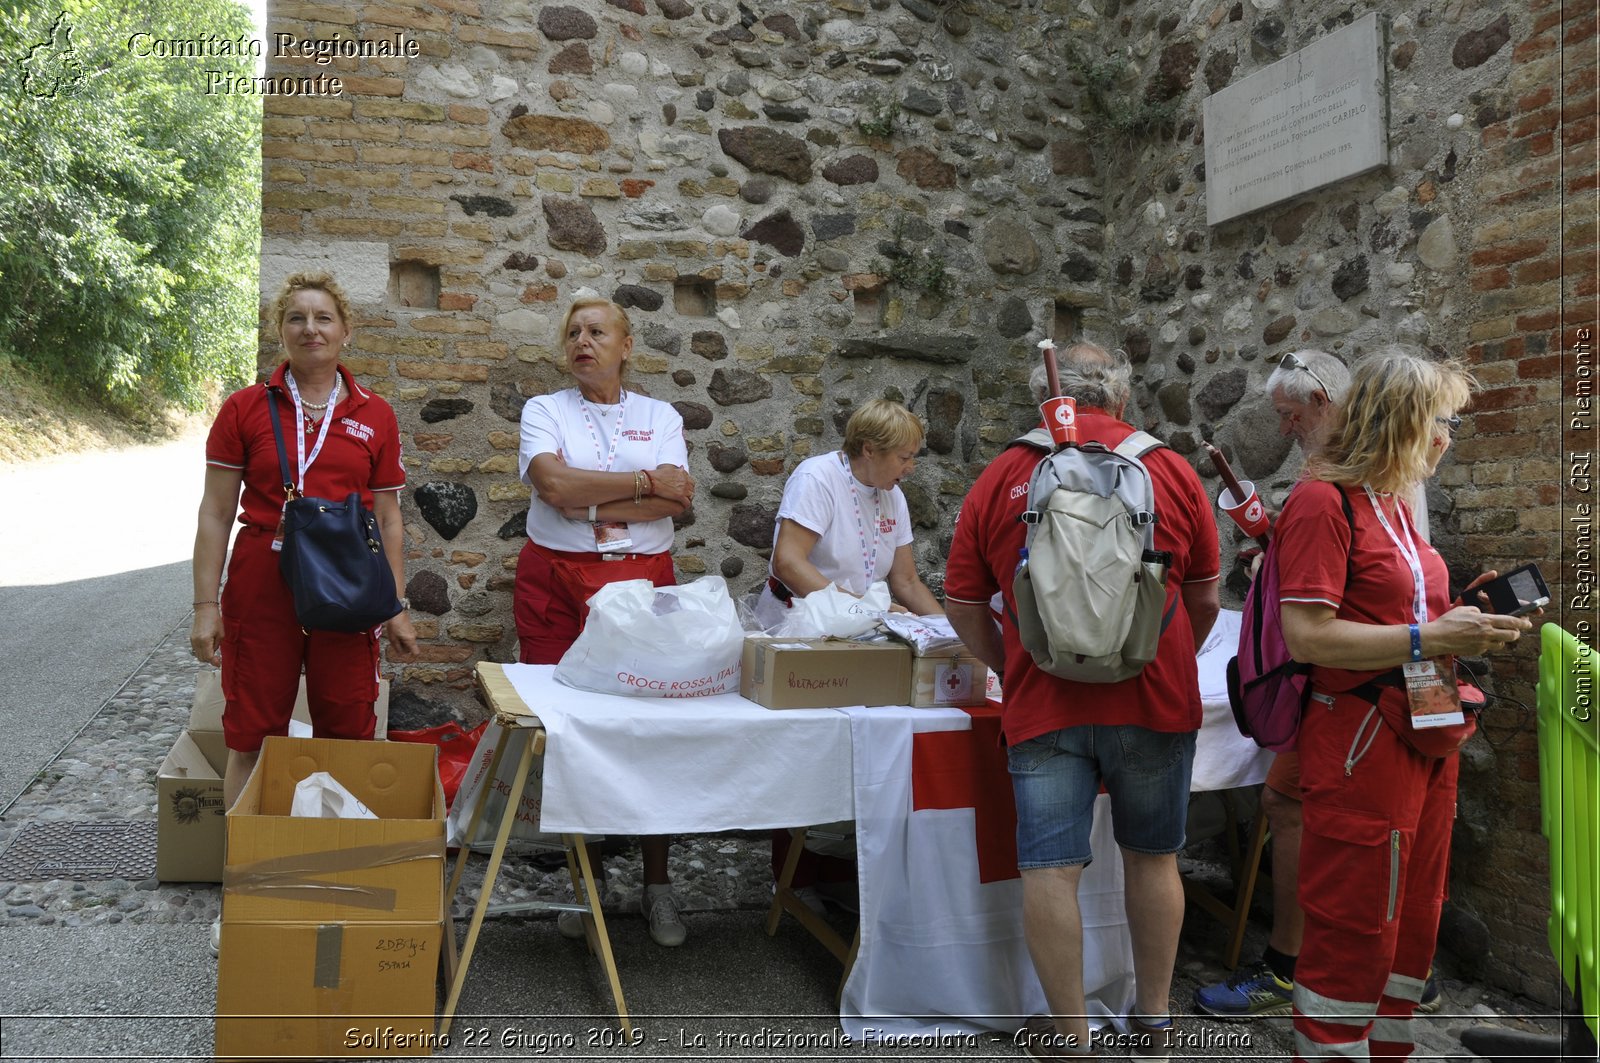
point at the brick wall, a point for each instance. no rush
(1532, 263)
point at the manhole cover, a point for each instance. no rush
(81, 851)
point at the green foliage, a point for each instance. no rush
(921, 270)
(881, 122)
(1120, 116)
(129, 200)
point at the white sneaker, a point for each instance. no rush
(666, 926)
(571, 925)
(216, 936)
(812, 899)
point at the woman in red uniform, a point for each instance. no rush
(340, 438)
(1365, 600)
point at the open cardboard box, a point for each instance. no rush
(189, 806)
(332, 928)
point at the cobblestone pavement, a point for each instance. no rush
(107, 773)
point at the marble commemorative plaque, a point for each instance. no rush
(1308, 120)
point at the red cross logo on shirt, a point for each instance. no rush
(967, 769)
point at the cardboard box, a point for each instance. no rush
(784, 673)
(332, 928)
(954, 678)
(189, 808)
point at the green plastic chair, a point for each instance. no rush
(1569, 789)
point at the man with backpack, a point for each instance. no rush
(1305, 388)
(1066, 737)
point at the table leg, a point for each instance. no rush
(797, 844)
(451, 957)
(595, 925)
(477, 811)
(507, 821)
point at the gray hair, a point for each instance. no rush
(1299, 385)
(1090, 375)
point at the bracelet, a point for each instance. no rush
(638, 487)
(207, 603)
(1416, 643)
(650, 483)
(592, 514)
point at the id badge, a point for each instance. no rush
(277, 536)
(1431, 693)
(612, 537)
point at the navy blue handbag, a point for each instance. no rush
(332, 556)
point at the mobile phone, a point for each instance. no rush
(1520, 591)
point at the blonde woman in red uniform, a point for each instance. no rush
(343, 439)
(1374, 854)
(340, 438)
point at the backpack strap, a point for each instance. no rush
(1039, 439)
(1137, 445)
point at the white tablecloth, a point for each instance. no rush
(616, 765)
(936, 943)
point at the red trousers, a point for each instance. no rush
(1374, 860)
(264, 651)
(543, 605)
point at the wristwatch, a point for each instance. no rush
(405, 605)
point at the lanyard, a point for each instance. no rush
(1408, 550)
(605, 460)
(300, 454)
(869, 552)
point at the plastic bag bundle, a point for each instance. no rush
(657, 642)
(832, 612)
(927, 636)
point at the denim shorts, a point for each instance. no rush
(1056, 777)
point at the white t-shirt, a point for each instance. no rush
(584, 435)
(856, 523)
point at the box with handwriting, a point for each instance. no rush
(790, 673)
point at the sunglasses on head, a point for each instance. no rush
(1292, 361)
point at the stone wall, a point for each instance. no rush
(810, 204)
(1457, 246)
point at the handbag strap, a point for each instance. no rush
(289, 492)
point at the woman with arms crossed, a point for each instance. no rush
(607, 467)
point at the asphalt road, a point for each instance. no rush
(94, 570)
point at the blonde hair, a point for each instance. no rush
(1381, 434)
(885, 425)
(585, 303)
(314, 282)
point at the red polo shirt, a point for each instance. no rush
(989, 537)
(361, 452)
(1316, 552)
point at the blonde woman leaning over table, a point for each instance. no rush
(844, 520)
(607, 467)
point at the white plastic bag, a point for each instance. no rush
(525, 828)
(321, 796)
(928, 636)
(657, 642)
(832, 612)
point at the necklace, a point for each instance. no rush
(318, 406)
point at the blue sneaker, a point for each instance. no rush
(1432, 1000)
(1249, 993)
